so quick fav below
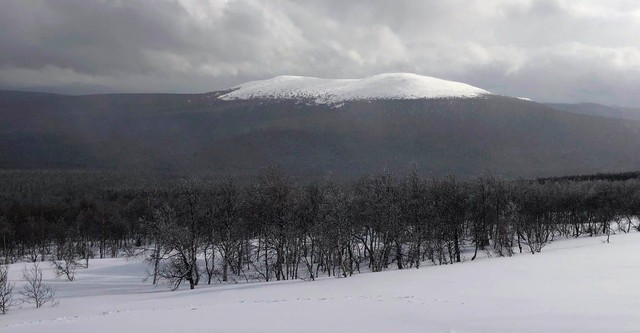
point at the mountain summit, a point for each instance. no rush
(396, 86)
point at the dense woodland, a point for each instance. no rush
(273, 227)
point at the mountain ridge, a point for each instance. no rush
(599, 110)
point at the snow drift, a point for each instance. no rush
(331, 91)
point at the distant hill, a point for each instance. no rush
(206, 134)
(599, 110)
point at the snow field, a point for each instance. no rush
(577, 285)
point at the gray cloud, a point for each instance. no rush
(543, 49)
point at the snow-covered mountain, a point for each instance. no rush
(332, 91)
(202, 133)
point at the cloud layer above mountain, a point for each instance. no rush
(548, 50)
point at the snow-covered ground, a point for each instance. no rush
(581, 285)
(328, 91)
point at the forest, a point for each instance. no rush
(196, 230)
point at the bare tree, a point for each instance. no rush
(6, 230)
(273, 216)
(67, 266)
(179, 235)
(34, 290)
(6, 291)
(226, 225)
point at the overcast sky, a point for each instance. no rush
(548, 50)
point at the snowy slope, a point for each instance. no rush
(582, 285)
(326, 91)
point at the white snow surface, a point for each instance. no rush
(582, 285)
(333, 91)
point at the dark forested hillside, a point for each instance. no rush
(199, 133)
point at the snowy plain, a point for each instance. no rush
(333, 91)
(576, 285)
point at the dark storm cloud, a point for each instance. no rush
(546, 50)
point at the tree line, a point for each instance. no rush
(272, 227)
